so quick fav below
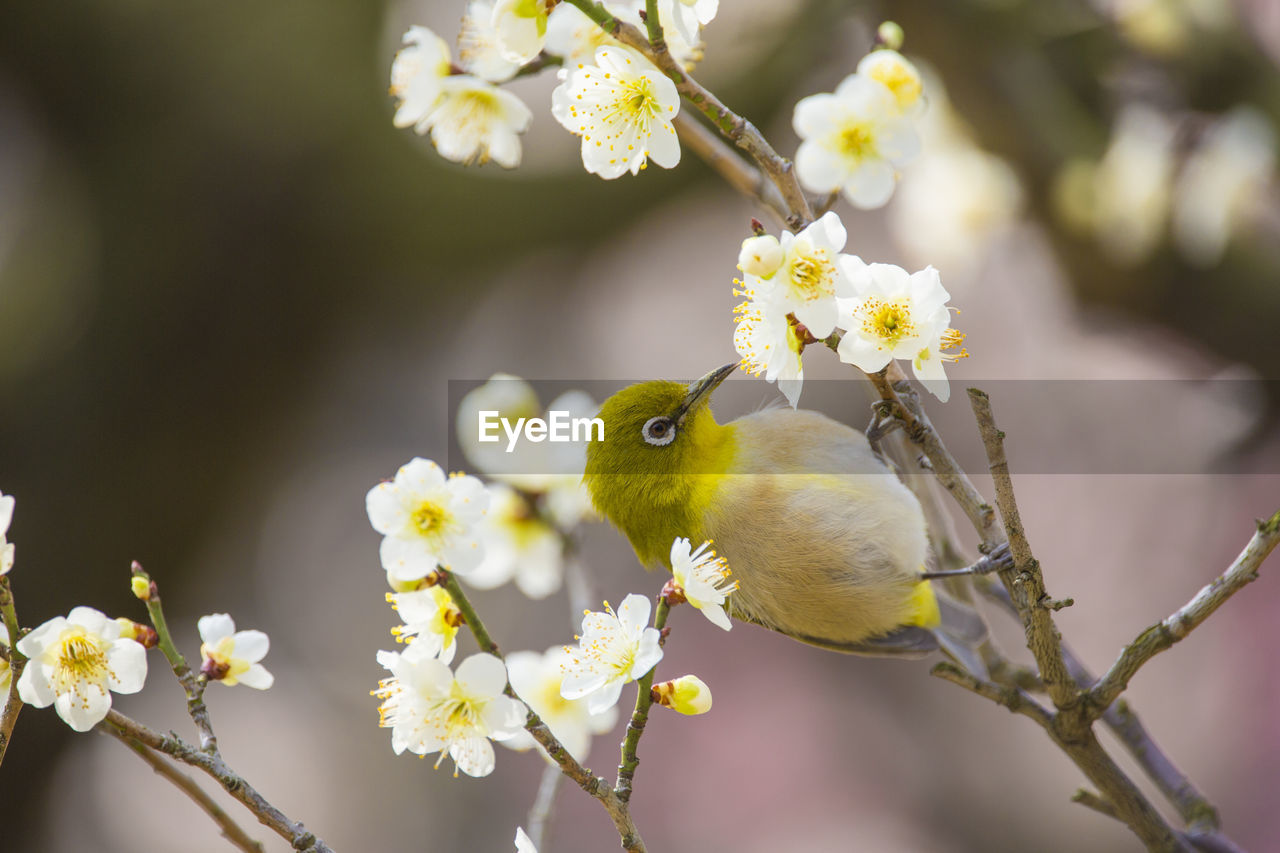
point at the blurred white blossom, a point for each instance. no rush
(74, 660)
(431, 709)
(519, 546)
(536, 679)
(430, 617)
(854, 140)
(416, 75)
(427, 521)
(521, 27)
(956, 199)
(686, 17)
(614, 649)
(621, 105)
(552, 471)
(1223, 184)
(479, 52)
(475, 122)
(232, 657)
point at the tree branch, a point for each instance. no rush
(543, 803)
(212, 764)
(1023, 580)
(1174, 628)
(191, 685)
(738, 173)
(230, 829)
(1008, 697)
(639, 717)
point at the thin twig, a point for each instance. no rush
(738, 173)
(596, 786)
(191, 685)
(539, 816)
(17, 661)
(1008, 697)
(212, 764)
(542, 61)
(639, 717)
(1069, 728)
(1170, 630)
(230, 829)
(1024, 580)
(1090, 800)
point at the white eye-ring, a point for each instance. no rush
(659, 431)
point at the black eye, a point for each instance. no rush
(659, 431)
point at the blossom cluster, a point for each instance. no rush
(75, 662)
(432, 523)
(802, 288)
(615, 99)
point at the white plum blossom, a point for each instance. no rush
(809, 279)
(614, 649)
(431, 619)
(853, 140)
(475, 122)
(232, 657)
(622, 106)
(74, 660)
(519, 546)
(524, 844)
(767, 341)
(703, 578)
(431, 709)
(6, 547)
(417, 73)
(898, 315)
(479, 50)
(521, 27)
(687, 694)
(898, 75)
(427, 520)
(687, 16)
(550, 470)
(536, 679)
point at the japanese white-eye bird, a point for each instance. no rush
(827, 545)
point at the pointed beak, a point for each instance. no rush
(699, 391)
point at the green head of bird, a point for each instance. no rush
(661, 453)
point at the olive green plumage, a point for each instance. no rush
(826, 543)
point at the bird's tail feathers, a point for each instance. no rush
(960, 634)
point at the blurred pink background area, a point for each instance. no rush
(232, 297)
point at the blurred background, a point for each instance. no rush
(232, 298)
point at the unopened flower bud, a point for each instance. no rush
(144, 634)
(760, 256)
(890, 35)
(141, 587)
(687, 694)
